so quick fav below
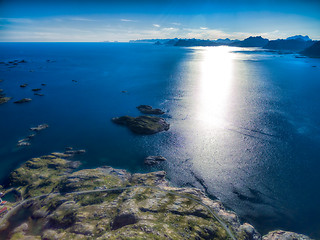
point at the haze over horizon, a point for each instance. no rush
(124, 20)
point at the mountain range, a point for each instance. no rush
(298, 43)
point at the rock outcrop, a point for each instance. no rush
(108, 203)
(40, 127)
(283, 235)
(23, 100)
(4, 99)
(154, 160)
(143, 124)
(146, 109)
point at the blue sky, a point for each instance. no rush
(123, 20)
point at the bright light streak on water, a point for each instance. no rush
(215, 85)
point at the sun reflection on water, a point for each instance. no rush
(215, 85)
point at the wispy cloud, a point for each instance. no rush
(176, 23)
(203, 28)
(156, 25)
(16, 20)
(127, 20)
(82, 19)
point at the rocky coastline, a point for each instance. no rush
(61, 202)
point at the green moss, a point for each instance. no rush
(90, 199)
(63, 218)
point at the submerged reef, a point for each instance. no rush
(106, 203)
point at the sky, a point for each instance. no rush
(124, 20)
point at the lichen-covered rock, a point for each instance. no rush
(108, 203)
(40, 175)
(143, 124)
(150, 179)
(284, 235)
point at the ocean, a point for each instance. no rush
(244, 123)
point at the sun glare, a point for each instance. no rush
(215, 84)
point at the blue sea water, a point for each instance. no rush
(245, 123)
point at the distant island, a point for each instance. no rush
(296, 44)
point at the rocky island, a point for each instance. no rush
(146, 109)
(3, 98)
(56, 201)
(143, 124)
(24, 100)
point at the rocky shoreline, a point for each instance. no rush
(108, 203)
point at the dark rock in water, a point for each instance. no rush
(31, 136)
(68, 148)
(24, 85)
(74, 81)
(24, 142)
(23, 100)
(143, 124)
(73, 152)
(43, 84)
(124, 91)
(4, 99)
(149, 110)
(154, 160)
(39, 127)
(39, 94)
(23, 61)
(36, 89)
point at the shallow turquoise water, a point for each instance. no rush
(244, 123)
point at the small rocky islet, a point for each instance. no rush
(143, 124)
(108, 203)
(146, 109)
(3, 98)
(154, 160)
(23, 100)
(27, 140)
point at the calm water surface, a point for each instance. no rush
(245, 124)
